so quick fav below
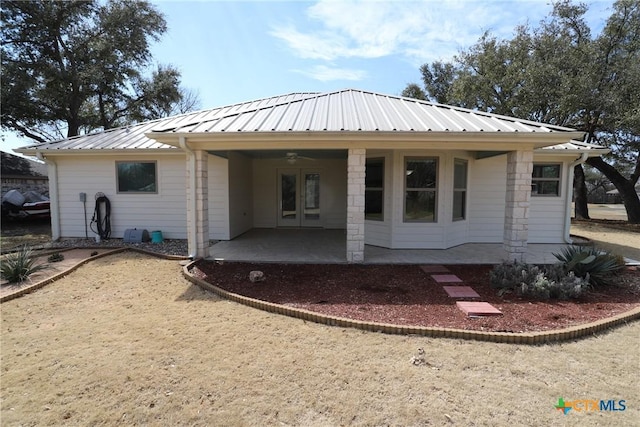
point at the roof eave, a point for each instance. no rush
(365, 139)
(91, 151)
(592, 152)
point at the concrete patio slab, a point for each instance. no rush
(321, 246)
(478, 308)
(461, 292)
(446, 278)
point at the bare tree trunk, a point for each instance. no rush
(624, 186)
(580, 193)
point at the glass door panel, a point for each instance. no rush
(311, 211)
(299, 198)
(288, 198)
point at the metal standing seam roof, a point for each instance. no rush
(346, 110)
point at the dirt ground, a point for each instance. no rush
(126, 340)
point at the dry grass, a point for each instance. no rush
(616, 240)
(104, 346)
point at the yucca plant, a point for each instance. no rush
(18, 266)
(594, 264)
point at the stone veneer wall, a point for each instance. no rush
(355, 205)
(518, 202)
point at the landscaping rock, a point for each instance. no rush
(256, 276)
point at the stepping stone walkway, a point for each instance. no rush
(461, 292)
(434, 269)
(458, 291)
(478, 308)
(446, 278)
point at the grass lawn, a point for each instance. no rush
(126, 340)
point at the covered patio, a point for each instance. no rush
(323, 246)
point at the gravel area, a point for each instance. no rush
(167, 247)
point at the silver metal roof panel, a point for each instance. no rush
(346, 110)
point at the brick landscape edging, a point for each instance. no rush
(566, 334)
(110, 251)
(560, 335)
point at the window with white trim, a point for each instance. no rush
(460, 168)
(421, 190)
(374, 189)
(545, 180)
(136, 177)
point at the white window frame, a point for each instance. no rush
(544, 179)
(462, 190)
(433, 190)
(155, 184)
(376, 189)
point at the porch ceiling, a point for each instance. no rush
(280, 154)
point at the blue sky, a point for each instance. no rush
(235, 51)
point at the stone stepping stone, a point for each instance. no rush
(446, 278)
(461, 292)
(478, 308)
(434, 269)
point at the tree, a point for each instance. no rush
(74, 67)
(14, 165)
(559, 74)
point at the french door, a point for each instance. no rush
(299, 198)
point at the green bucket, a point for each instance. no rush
(156, 236)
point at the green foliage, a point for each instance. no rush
(536, 282)
(55, 257)
(82, 65)
(593, 264)
(558, 73)
(18, 266)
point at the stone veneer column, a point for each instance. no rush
(518, 200)
(201, 216)
(355, 205)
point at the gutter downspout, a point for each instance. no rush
(54, 207)
(569, 192)
(192, 212)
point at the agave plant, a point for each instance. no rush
(18, 266)
(594, 264)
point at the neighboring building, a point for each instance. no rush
(614, 197)
(18, 173)
(392, 171)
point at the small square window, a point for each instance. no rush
(545, 180)
(136, 177)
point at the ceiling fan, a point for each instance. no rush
(292, 158)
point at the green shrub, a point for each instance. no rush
(55, 257)
(593, 264)
(536, 282)
(18, 266)
(508, 276)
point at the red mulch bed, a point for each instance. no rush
(405, 295)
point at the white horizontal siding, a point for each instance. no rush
(377, 233)
(165, 211)
(240, 194)
(419, 236)
(486, 200)
(457, 233)
(218, 181)
(547, 213)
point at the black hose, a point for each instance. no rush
(102, 217)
